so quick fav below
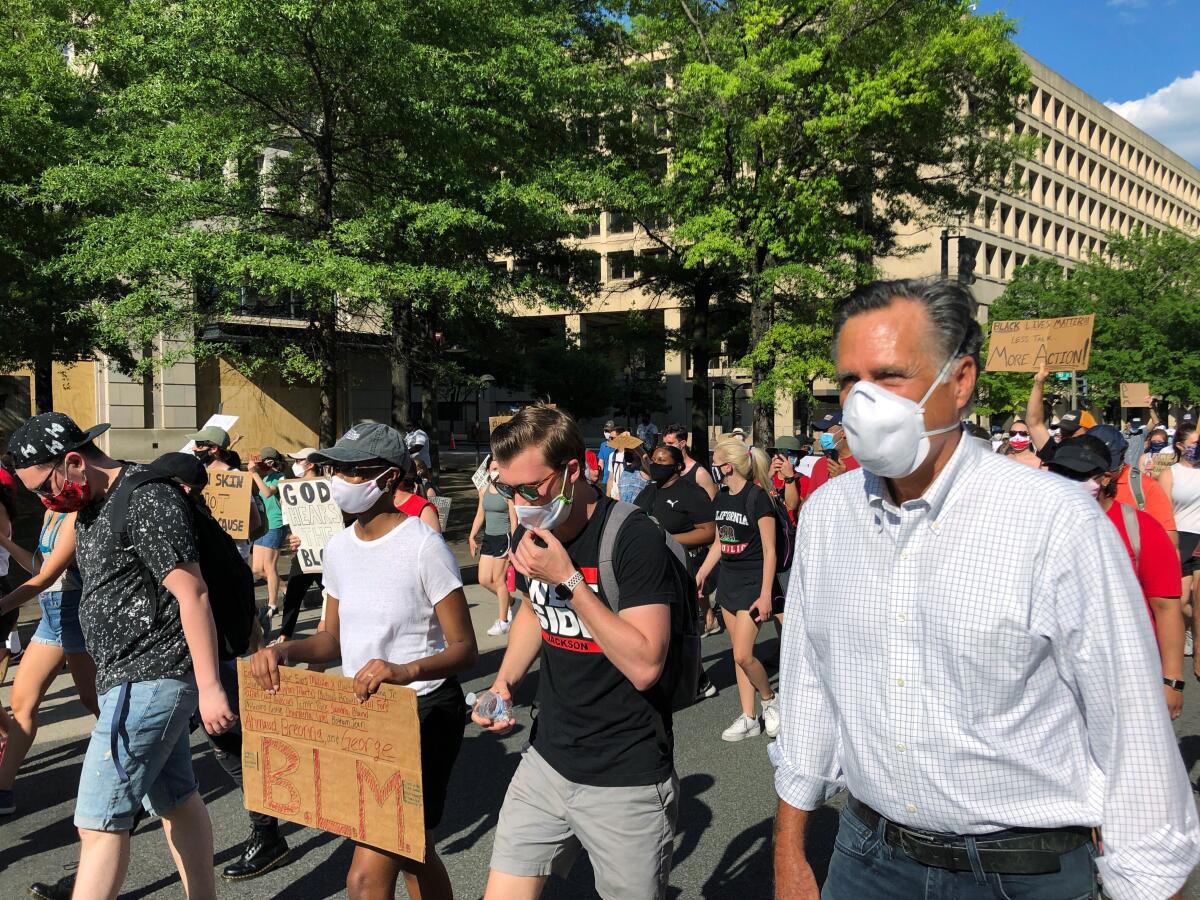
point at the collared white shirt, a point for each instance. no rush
(978, 659)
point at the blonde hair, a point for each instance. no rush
(752, 463)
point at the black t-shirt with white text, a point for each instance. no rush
(678, 508)
(593, 726)
(737, 516)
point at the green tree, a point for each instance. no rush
(359, 162)
(801, 135)
(1144, 291)
(45, 106)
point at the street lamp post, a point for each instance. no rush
(629, 398)
(485, 383)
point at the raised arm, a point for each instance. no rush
(1035, 410)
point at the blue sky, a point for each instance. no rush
(1140, 56)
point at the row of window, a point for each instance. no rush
(1078, 126)
(1005, 218)
(1118, 185)
(616, 265)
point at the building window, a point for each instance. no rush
(620, 223)
(620, 265)
(592, 228)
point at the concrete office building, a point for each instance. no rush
(1097, 174)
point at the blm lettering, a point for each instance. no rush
(312, 754)
(1061, 345)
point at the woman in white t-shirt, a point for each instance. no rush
(396, 614)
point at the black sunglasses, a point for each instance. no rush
(530, 492)
(353, 470)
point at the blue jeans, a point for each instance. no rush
(864, 867)
(153, 747)
(59, 626)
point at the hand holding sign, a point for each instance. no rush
(310, 511)
(1027, 345)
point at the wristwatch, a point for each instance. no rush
(1174, 684)
(567, 588)
(790, 479)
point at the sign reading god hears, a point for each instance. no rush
(228, 499)
(310, 511)
(312, 754)
(1025, 345)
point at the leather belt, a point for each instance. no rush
(1013, 852)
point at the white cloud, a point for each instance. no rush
(1170, 114)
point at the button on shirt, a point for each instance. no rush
(964, 674)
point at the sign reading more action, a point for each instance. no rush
(310, 511)
(228, 499)
(1025, 345)
(312, 754)
(1135, 395)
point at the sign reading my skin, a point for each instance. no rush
(228, 499)
(1025, 345)
(312, 754)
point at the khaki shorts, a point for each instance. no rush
(628, 832)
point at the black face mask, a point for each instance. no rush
(718, 474)
(205, 456)
(662, 472)
(632, 465)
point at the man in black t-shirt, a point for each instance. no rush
(149, 628)
(599, 772)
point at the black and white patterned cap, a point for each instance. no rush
(48, 437)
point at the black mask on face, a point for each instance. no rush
(204, 454)
(662, 472)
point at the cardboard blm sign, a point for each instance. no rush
(1025, 345)
(228, 499)
(310, 511)
(1135, 395)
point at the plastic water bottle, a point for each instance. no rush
(488, 705)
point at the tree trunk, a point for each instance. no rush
(762, 299)
(327, 344)
(429, 417)
(43, 385)
(699, 351)
(401, 371)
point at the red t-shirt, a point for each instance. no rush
(820, 474)
(1157, 567)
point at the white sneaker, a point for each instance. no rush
(743, 727)
(770, 716)
(1188, 642)
(498, 628)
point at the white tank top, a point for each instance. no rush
(1185, 496)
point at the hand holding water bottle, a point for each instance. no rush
(492, 710)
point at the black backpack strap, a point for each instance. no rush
(119, 518)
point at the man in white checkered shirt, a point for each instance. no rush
(967, 650)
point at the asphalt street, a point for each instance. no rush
(723, 846)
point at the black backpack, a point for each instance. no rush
(681, 673)
(785, 531)
(230, 581)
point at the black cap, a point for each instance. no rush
(184, 468)
(827, 421)
(1070, 421)
(1083, 455)
(364, 442)
(1114, 441)
(48, 437)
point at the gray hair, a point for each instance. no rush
(950, 305)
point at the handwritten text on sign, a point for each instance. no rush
(1135, 395)
(228, 499)
(309, 510)
(1061, 345)
(312, 754)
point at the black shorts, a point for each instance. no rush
(1189, 563)
(738, 590)
(443, 717)
(495, 545)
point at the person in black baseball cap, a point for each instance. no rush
(149, 628)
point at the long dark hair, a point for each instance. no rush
(1182, 433)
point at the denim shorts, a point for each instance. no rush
(273, 539)
(59, 626)
(153, 747)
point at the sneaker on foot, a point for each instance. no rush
(770, 715)
(707, 690)
(8, 803)
(743, 727)
(499, 627)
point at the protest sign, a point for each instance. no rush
(312, 754)
(1135, 395)
(480, 478)
(1025, 345)
(625, 442)
(495, 422)
(442, 504)
(225, 422)
(309, 510)
(228, 499)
